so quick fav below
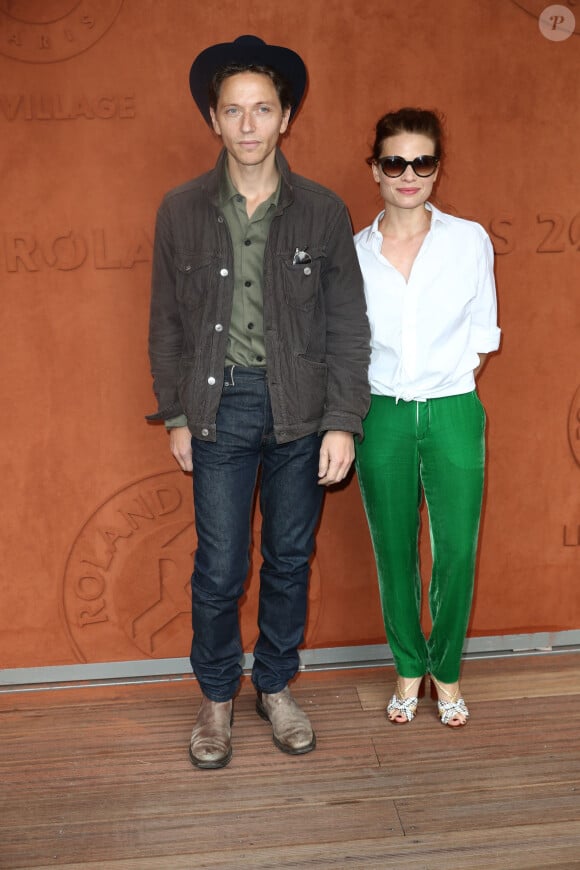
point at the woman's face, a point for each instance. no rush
(409, 190)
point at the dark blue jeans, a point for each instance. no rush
(224, 480)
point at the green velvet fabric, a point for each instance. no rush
(437, 448)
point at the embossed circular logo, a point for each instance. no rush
(126, 585)
(574, 426)
(46, 31)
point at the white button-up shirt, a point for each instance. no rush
(426, 333)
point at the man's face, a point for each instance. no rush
(249, 117)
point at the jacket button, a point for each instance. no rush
(220, 219)
(224, 272)
(307, 270)
(211, 381)
(205, 432)
(218, 327)
(187, 268)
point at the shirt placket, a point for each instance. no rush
(251, 317)
(248, 320)
(408, 365)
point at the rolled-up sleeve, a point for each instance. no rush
(485, 333)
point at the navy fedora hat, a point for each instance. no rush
(245, 50)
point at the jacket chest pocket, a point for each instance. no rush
(302, 280)
(194, 276)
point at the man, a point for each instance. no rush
(259, 348)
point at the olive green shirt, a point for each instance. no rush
(249, 235)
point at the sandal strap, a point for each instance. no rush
(449, 709)
(403, 706)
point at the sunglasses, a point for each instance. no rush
(423, 166)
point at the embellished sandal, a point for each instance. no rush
(400, 709)
(453, 711)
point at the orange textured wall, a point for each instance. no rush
(96, 122)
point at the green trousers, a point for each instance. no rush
(436, 447)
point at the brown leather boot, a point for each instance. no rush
(210, 746)
(291, 728)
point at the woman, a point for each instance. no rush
(432, 307)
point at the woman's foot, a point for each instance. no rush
(403, 705)
(450, 705)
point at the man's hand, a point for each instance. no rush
(336, 457)
(180, 446)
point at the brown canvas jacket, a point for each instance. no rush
(316, 331)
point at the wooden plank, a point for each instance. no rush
(239, 827)
(102, 777)
(518, 848)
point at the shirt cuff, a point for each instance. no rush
(485, 340)
(176, 422)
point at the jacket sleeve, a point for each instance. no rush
(165, 325)
(347, 332)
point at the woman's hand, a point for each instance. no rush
(482, 359)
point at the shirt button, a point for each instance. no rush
(220, 221)
(205, 432)
(247, 283)
(307, 270)
(247, 242)
(259, 359)
(224, 272)
(250, 325)
(211, 381)
(239, 198)
(218, 327)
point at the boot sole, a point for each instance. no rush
(210, 765)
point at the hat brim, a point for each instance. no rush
(245, 50)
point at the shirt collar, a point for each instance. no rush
(374, 234)
(227, 190)
(437, 215)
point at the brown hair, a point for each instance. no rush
(283, 88)
(408, 120)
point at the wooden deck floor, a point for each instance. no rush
(98, 777)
